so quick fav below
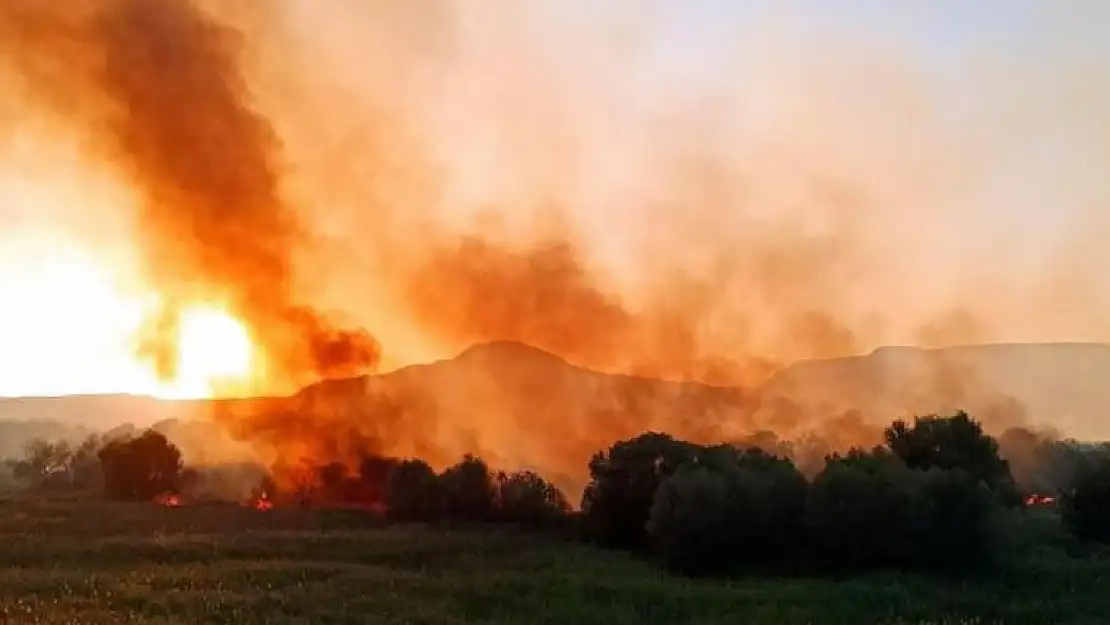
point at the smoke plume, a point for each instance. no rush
(446, 173)
(159, 86)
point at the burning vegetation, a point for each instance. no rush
(160, 82)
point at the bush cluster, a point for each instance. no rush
(930, 499)
(57, 465)
(141, 468)
(1086, 504)
(727, 508)
(470, 492)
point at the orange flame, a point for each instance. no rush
(263, 502)
(169, 500)
(1039, 500)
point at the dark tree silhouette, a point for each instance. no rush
(1086, 504)
(955, 442)
(726, 510)
(623, 480)
(858, 511)
(525, 497)
(878, 459)
(413, 492)
(374, 472)
(469, 490)
(954, 522)
(332, 481)
(84, 465)
(141, 468)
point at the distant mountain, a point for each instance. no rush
(1062, 385)
(520, 406)
(513, 404)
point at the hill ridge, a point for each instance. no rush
(528, 404)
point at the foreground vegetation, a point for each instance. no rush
(934, 526)
(71, 561)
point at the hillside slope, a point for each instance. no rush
(1061, 385)
(520, 406)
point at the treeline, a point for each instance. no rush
(149, 467)
(410, 490)
(933, 497)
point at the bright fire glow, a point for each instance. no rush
(213, 348)
(66, 327)
(72, 292)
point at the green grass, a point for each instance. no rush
(92, 562)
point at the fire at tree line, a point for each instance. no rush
(931, 499)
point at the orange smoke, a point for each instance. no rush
(726, 254)
(158, 87)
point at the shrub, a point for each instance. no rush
(858, 510)
(44, 465)
(84, 465)
(413, 492)
(525, 497)
(140, 468)
(728, 510)
(469, 491)
(617, 500)
(1085, 506)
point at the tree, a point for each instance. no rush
(869, 510)
(954, 525)
(469, 491)
(413, 492)
(623, 480)
(727, 510)
(45, 464)
(1061, 462)
(878, 459)
(1085, 506)
(141, 468)
(84, 465)
(332, 482)
(858, 511)
(525, 497)
(955, 442)
(374, 472)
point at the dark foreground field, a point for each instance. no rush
(73, 562)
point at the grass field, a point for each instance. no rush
(93, 562)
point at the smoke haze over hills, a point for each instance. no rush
(367, 182)
(502, 400)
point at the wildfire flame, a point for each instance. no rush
(169, 500)
(263, 502)
(1039, 500)
(77, 301)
